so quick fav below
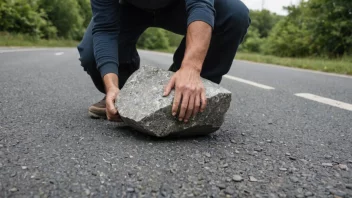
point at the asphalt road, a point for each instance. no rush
(278, 137)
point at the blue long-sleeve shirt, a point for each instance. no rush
(105, 29)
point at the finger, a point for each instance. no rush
(204, 101)
(189, 108)
(110, 106)
(169, 86)
(176, 102)
(184, 105)
(196, 105)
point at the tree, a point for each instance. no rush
(65, 16)
(263, 21)
(22, 16)
(153, 38)
(252, 42)
(330, 23)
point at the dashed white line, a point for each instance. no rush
(59, 53)
(327, 101)
(249, 82)
(20, 50)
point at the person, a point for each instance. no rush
(212, 29)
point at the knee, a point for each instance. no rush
(235, 15)
(86, 57)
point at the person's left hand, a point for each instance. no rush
(188, 87)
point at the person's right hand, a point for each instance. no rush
(112, 90)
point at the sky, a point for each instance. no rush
(272, 5)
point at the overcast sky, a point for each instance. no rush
(272, 5)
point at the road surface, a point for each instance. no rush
(288, 133)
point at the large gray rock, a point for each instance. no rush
(142, 106)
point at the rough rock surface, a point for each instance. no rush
(142, 106)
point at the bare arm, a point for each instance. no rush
(187, 80)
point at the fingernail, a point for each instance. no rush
(186, 121)
(173, 113)
(180, 119)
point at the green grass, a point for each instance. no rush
(341, 66)
(20, 40)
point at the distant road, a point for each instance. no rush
(288, 133)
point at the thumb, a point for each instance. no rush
(169, 86)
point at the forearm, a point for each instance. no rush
(197, 44)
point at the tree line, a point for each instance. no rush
(311, 28)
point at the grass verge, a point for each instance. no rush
(340, 66)
(21, 40)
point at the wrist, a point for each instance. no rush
(111, 81)
(196, 67)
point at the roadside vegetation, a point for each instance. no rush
(316, 34)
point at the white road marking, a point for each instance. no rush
(327, 101)
(249, 82)
(59, 53)
(20, 50)
(296, 69)
(156, 53)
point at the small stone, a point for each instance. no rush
(292, 158)
(252, 179)
(294, 179)
(87, 191)
(236, 151)
(13, 174)
(13, 189)
(288, 154)
(228, 179)
(282, 195)
(268, 141)
(350, 161)
(225, 165)
(230, 191)
(299, 196)
(327, 164)
(237, 178)
(221, 185)
(258, 149)
(308, 194)
(150, 112)
(349, 186)
(343, 167)
(129, 189)
(283, 169)
(338, 193)
(24, 167)
(207, 154)
(327, 156)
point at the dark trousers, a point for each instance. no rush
(231, 23)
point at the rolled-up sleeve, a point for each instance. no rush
(200, 10)
(105, 35)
